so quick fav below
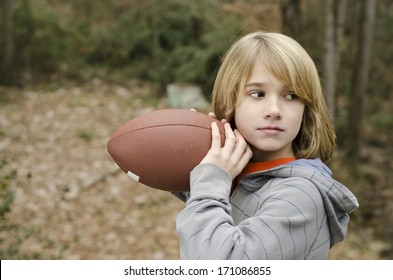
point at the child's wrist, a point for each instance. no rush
(210, 178)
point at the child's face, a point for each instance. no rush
(268, 115)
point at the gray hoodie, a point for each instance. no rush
(293, 211)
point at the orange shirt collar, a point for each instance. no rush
(253, 167)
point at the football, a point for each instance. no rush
(159, 149)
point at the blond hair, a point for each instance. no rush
(288, 61)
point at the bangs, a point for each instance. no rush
(291, 66)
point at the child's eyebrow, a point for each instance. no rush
(262, 84)
(256, 84)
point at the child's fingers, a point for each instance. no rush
(212, 115)
(241, 144)
(235, 154)
(242, 151)
(216, 137)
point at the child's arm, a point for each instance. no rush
(284, 227)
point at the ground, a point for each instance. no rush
(70, 200)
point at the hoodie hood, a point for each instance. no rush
(338, 200)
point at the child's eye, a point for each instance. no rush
(257, 94)
(291, 96)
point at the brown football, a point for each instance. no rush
(159, 149)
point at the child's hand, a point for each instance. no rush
(235, 154)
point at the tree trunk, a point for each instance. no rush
(360, 82)
(8, 42)
(334, 29)
(329, 57)
(291, 18)
(341, 11)
(157, 47)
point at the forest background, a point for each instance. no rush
(73, 71)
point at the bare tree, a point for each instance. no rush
(335, 11)
(291, 18)
(329, 53)
(157, 46)
(8, 42)
(360, 81)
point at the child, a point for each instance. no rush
(267, 193)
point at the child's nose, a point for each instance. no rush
(272, 110)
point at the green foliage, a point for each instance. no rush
(10, 248)
(190, 38)
(43, 39)
(51, 33)
(85, 135)
(6, 192)
(6, 199)
(39, 38)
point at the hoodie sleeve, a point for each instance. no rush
(284, 226)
